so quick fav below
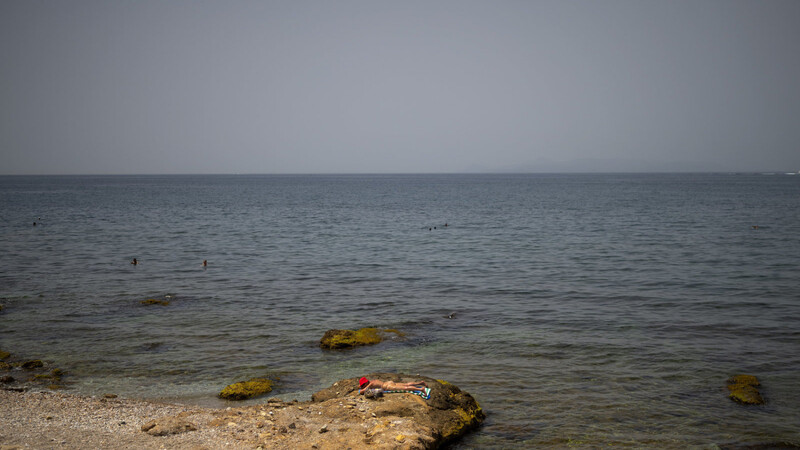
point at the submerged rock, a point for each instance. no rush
(4, 355)
(32, 364)
(54, 375)
(339, 339)
(744, 389)
(36, 374)
(153, 301)
(246, 389)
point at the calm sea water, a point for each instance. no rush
(586, 309)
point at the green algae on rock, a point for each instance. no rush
(339, 339)
(744, 389)
(55, 374)
(246, 389)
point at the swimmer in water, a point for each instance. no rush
(205, 263)
(134, 262)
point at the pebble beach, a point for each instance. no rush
(57, 420)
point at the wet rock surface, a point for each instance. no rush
(246, 389)
(343, 339)
(744, 389)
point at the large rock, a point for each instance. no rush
(445, 416)
(339, 339)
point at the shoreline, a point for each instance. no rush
(335, 417)
(41, 419)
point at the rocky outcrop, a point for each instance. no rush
(446, 415)
(246, 389)
(744, 389)
(338, 417)
(341, 339)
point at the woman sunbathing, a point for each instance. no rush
(365, 384)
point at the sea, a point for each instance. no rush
(580, 310)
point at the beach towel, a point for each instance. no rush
(426, 394)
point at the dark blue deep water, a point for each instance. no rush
(590, 310)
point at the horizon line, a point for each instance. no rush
(684, 172)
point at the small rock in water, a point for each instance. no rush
(744, 389)
(34, 364)
(152, 301)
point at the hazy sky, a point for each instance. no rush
(403, 86)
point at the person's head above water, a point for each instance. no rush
(363, 382)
